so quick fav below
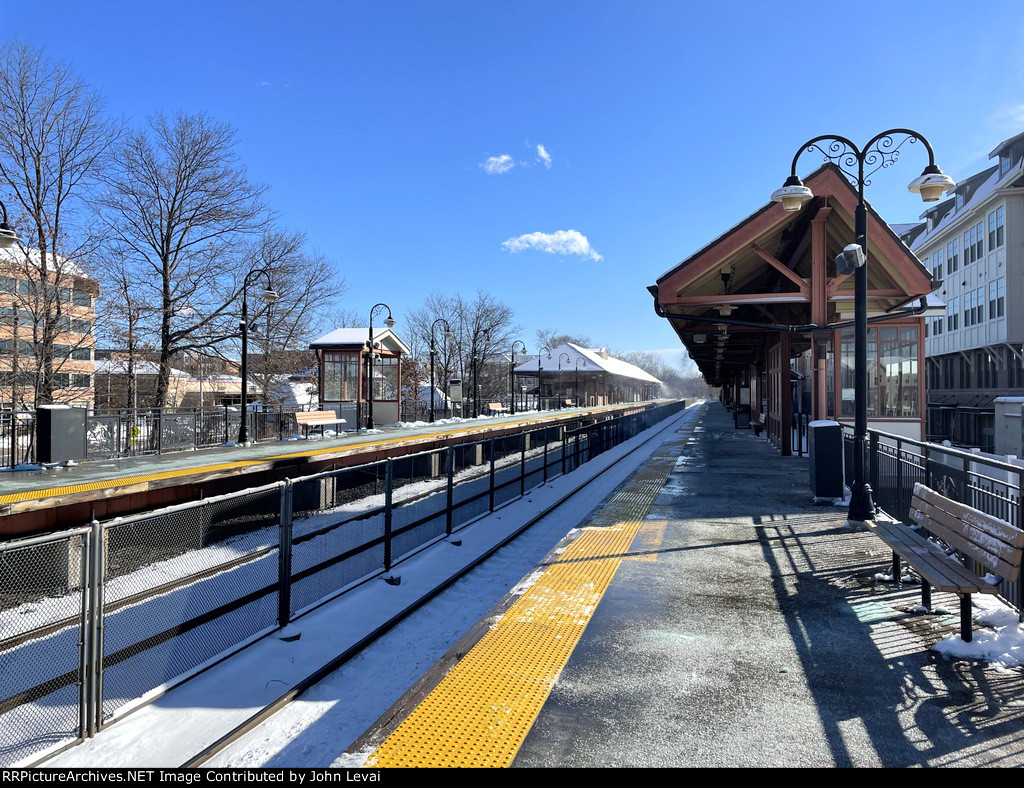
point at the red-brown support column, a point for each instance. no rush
(785, 396)
(819, 308)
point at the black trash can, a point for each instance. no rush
(825, 446)
(741, 416)
(60, 433)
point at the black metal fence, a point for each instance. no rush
(17, 438)
(92, 621)
(895, 464)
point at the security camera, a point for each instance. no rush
(851, 258)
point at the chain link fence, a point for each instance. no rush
(95, 621)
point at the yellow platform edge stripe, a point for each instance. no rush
(480, 713)
(127, 481)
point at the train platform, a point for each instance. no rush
(33, 500)
(709, 614)
(699, 611)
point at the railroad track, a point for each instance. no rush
(268, 711)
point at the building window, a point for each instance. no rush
(937, 264)
(341, 377)
(953, 314)
(892, 372)
(385, 378)
(997, 298)
(1014, 370)
(979, 241)
(1004, 164)
(953, 255)
(78, 298)
(959, 200)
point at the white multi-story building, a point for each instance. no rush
(973, 243)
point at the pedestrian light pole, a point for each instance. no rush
(512, 375)
(577, 385)
(389, 321)
(447, 335)
(561, 390)
(540, 355)
(270, 296)
(881, 151)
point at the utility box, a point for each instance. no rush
(825, 446)
(60, 433)
(455, 389)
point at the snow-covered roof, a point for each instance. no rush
(120, 367)
(15, 255)
(360, 337)
(594, 360)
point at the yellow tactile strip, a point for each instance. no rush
(480, 713)
(127, 481)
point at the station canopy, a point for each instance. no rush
(774, 272)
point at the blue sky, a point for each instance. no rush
(648, 128)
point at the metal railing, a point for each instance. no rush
(17, 438)
(95, 619)
(895, 464)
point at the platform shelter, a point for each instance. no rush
(763, 306)
(344, 373)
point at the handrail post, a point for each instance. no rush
(95, 673)
(284, 564)
(388, 500)
(490, 493)
(450, 465)
(522, 464)
(873, 463)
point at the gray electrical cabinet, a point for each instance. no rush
(825, 446)
(60, 433)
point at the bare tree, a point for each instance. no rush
(552, 339)
(483, 329)
(307, 286)
(54, 142)
(182, 211)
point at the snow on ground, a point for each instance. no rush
(314, 730)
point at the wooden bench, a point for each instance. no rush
(496, 407)
(993, 543)
(317, 418)
(757, 424)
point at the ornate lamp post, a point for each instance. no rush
(7, 235)
(270, 296)
(477, 363)
(389, 321)
(447, 336)
(560, 389)
(540, 355)
(881, 151)
(512, 375)
(577, 385)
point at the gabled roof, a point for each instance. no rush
(359, 338)
(591, 360)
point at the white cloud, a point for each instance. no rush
(496, 165)
(564, 242)
(544, 156)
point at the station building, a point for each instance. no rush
(344, 374)
(571, 374)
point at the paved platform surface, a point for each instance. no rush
(741, 625)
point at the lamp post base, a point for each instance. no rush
(862, 507)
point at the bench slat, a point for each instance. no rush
(938, 569)
(1001, 558)
(993, 525)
